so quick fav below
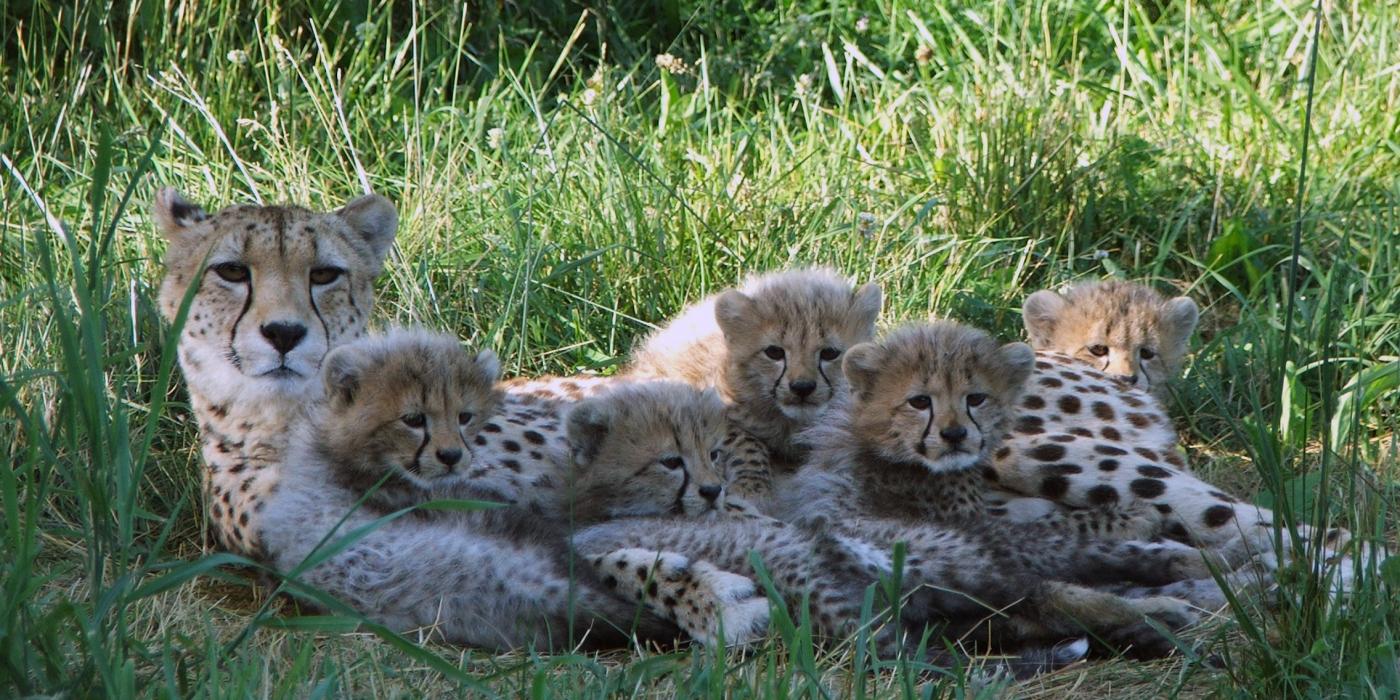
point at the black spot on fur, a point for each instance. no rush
(1065, 468)
(1102, 495)
(1053, 487)
(1102, 410)
(511, 446)
(1215, 516)
(1146, 453)
(1153, 471)
(1110, 450)
(1047, 453)
(1051, 382)
(1034, 403)
(1030, 425)
(1163, 508)
(1111, 433)
(534, 437)
(1147, 488)
(491, 428)
(1108, 465)
(1069, 404)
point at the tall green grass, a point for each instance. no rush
(560, 191)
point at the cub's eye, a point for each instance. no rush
(415, 420)
(773, 352)
(326, 275)
(714, 455)
(920, 402)
(673, 462)
(232, 272)
(464, 418)
(1147, 353)
(975, 400)
(1098, 350)
(829, 354)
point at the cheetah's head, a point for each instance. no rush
(647, 448)
(1120, 328)
(277, 288)
(408, 402)
(785, 335)
(936, 394)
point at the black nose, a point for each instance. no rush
(803, 387)
(283, 336)
(449, 457)
(710, 492)
(954, 435)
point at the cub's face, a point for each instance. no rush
(277, 287)
(409, 402)
(1119, 328)
(649, 448)
(935, 394)
(785, 341)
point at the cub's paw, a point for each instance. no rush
(1173, 613)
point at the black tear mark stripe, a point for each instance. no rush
(982, 434)
(781, 374)
(233, 333)
(679, 505)
(928, 427)
(822, 371)
(418, 456)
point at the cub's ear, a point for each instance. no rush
(1039, 313)
(588, 424)
(737, 314)
(174, 214)
(1179, 317)
(341, 372)
(862, 366)
(375, 219)
(1015, 363)
(864, 312)
(489, 365)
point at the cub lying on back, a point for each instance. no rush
(1123, 329)
(773, 348)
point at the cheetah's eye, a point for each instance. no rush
(673, 462)
(326, 275)
(774, 352)
(714, 455)
(975, 400)
(1098, 350)
(232, 272)
(464, 418)
(415, 420)
(920, 402)
(1147, 353)
(829, 354)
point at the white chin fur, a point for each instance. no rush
(804, 413)
(210, 371)
(957, 461)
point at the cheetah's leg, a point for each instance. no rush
(712, 606)
(1120, 622)
(1134, 522)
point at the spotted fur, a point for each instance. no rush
(271, 290)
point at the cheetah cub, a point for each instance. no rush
(773, 348)
(1123, 329)
(400, 413)
(651, 449)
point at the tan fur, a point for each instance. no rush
(1121, 328)
(267, 277)
(772, 347)
(403, 409)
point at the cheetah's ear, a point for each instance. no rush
(864, 312)
(862, 366)
(1017, 361)
(489, 365)
(174, 214)
(589, 423)
(736, 313)
(341, 372)
(375, 219)
(1039, 313)
(1179, 317)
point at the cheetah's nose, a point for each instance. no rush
(283, 336)
(953, 435)
(449, 457)
(710, 492)
(803, 387)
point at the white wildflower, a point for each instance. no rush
(804, 84)
(495, 136)
(589, 97)
(364, 30)
(923, 55)
(1100, 254)
(866, 223)
(671, 64)
(862, 25)
(238, 57)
